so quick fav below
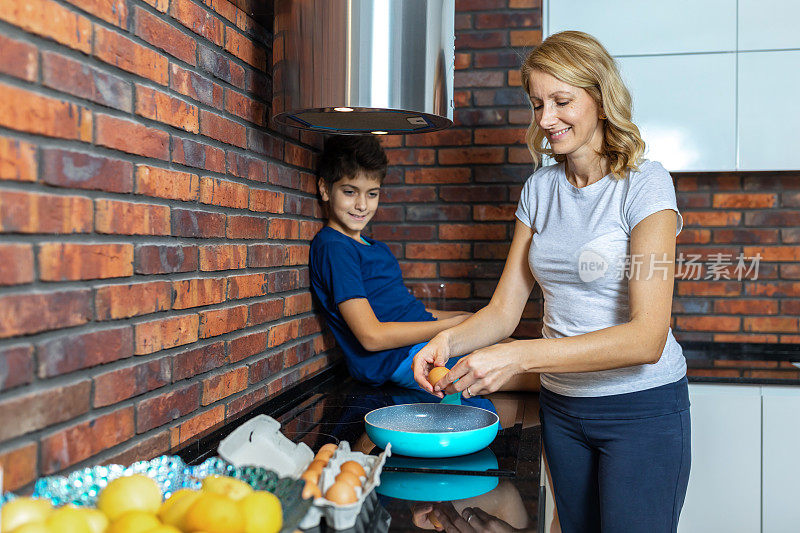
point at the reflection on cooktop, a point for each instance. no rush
(339, 415)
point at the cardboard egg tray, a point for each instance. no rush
(259, 442)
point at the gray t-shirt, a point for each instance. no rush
(580, 257)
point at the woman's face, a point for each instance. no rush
(568, 116)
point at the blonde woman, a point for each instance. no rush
(597, 231)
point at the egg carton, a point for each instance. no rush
(259, 442)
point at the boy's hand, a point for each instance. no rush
(435, 353)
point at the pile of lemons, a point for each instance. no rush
(133, 504)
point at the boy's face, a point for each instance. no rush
(352, 202)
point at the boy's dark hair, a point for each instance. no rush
(344, 155)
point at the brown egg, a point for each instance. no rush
(312, 476)
(331, 447)
(324, 455)
(311, 490)
(317, 465)
(341, 493)
(354, 467)
(437, 373)
(349, 478)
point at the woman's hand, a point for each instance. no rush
(435, 353)
(483, 371)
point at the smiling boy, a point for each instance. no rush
(357, 281)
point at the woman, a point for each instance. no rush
(597, 231)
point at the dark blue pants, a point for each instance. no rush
(619, 463)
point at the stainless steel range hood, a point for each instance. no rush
(364, 66)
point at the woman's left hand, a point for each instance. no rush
(483, 371)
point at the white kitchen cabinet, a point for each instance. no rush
(724, 491)
(781, 459)
(633, 27)
(685, 107)
(768, 24)
(768, 110)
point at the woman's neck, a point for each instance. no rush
(584, 171)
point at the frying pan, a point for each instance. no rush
(432, 429)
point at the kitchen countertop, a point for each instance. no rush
(330, 407)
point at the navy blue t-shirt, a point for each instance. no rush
(341, 269)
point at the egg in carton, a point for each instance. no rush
(344, 515)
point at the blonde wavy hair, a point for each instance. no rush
(578, 59)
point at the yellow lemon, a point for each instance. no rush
(233, 488)
(134, 522)
(174, 509)
(164, 529)
(262, 512)
(33, 527)
(22, 511)
(130, 493)
(96, 519)
(69, 520)
(214, 513)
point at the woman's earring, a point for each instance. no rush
(602, 116)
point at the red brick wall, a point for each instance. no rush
(153, 231)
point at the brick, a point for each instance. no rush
(223, 257)
(198, 292)
(222, 129)
(162, 107)
(284, 228)
(789, 271)
(200, 224)
(788, 236)
(284, 176)
(161, 5)
(165, 37)
(245, 49)
(164, 259)
(33, 113)
(198, 424)
(463, 61)
(694, 236)
(198, 20)
(519, 155)
(773, 253)
(16, 366)
(74, 261)
(526, 38)
(746, 307)
(515, 79)
(19, 59)
(504, 212)
(19, 466)
(500, 136)
(194, 154)
(223, 192)
(220, 67)
(267, 366)
(219, 321)
(470, 232)
(164, 408)
(772, 218)
(80, 170)
(479, 79)
(247, 167)
(127, 218)
(17, 160)
(411, 156)
(438, 251)
(123, 301)
(50, 20)
(470, 156)
(247, 345)
(745, 236)
(712, 182)
(404, 233)
(266, 255)
(120, 384)
(69, 353)
(508, 20)
(82, 441)
(491, 251)
(22, 314)
(408, 194)
(437, 175)
(263, 201)
(301, 157)
(116, 49)
(494, 59)
(16, 264)
(743, 201)
(448, 137)
(473, 193)
(247, 286)
(711, 218)
(198, 361)
(218, 387)
(165, 333)
(298, 254)
(284, 280)
(244, 107)
(779, 289)
(418, 270)
(438, 212)
(772, 324)
(163, 183)
(265, 311)
(265, 144)
(22, 212)
(282, 333)
(449, 289)
(708, 323)
(482, 39)
(195, 86)
(297, 304)
(131, 137)
(113, 11)
(44, 407)
(790, 307)
(471, 271)
(709, 288)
